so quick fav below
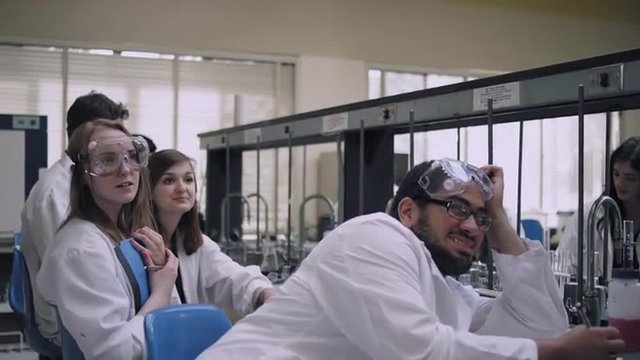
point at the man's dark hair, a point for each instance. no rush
(91, 107)
(152, 145)
(409, 187)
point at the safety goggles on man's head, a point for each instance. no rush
(448, 177)
(106, 157)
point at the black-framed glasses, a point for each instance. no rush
(461, 211)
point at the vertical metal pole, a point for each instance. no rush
(490, 161)
(411, 140)
(258, 192)
(541, 189)
(607, 180)
(458, 142)
(607, 151)
(340, 179)
(490, 129)
(520, 146)
(580, 279)
(304, 171)
(276, 194)
(289, 191)
(227, 222)
(361, 172)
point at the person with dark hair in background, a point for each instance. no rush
(624, 189)
(152, 145)
(207, 275)
(384, 286)
(48, 202)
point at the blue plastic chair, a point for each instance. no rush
(182, 332)
(70, 348)
(532, 229)
(21, 301)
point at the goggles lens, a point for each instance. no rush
(106, 157)
(448, 177)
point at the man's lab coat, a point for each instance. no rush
(370, 290)
(43, 213)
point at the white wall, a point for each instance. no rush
(431, 33)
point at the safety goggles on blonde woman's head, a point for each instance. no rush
(106, 157)
(448, 177)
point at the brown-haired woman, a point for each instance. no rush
(80, 274)
(206, 273)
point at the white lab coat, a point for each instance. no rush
(370, 290)
(83, 278)
(210, 276)
(43, 213)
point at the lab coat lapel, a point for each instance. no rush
(187, 272)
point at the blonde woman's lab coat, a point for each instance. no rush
(370, 290)
(83, 278)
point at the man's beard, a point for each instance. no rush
(447, 263)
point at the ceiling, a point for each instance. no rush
(607, 10)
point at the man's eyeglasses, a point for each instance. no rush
(461, 211)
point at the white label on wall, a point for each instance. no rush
(334, 123)
(503, 95)
(251, 136)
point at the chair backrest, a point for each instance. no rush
(70, 348)
(21, 301)
(183, 331)
(533, 229)
(134, 268)
(16, 292)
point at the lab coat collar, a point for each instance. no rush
(66, 161)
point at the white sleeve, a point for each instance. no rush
(43, 218)
(228, 284)
(370, 290)
(530, 304)
(93, 305)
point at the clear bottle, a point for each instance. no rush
(269, 257)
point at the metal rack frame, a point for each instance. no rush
(365, 129)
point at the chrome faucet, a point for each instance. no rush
(589, 295)
(266, 217)
(387, 208)
(332, 208)
(224, 209)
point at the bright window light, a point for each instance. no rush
(140, 54)
(100, 52)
